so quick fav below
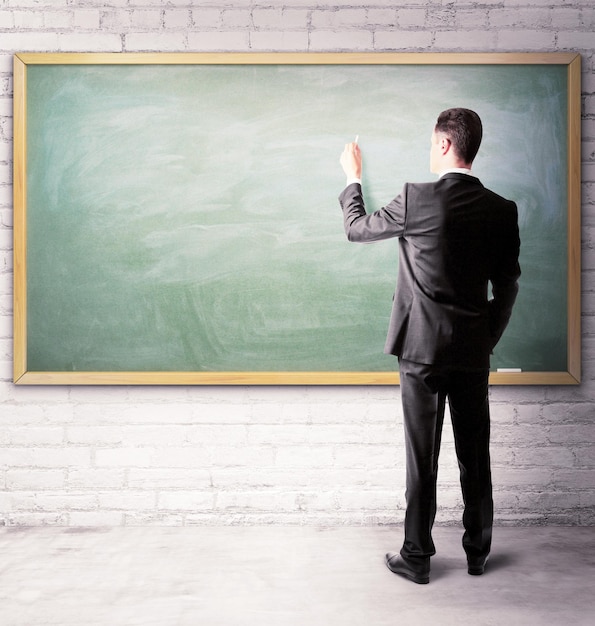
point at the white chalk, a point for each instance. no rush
(509, 370)
(356, 138)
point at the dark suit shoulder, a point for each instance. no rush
(498, 198)
(454, 178)
(445, 181)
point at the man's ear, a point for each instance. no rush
(445, 145)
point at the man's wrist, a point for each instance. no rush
(352, 180)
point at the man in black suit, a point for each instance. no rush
(456, 238)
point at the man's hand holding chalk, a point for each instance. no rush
(351, 160)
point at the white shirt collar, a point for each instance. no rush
(457, 170)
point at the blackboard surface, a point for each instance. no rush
(185, 217)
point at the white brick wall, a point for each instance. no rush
(297, 455)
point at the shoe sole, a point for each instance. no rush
(419, 581)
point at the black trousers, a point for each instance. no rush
(424, 391)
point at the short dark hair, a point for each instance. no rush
(463, 128)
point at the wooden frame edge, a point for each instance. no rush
(19, 221)
(574, 219)
(268, 378)
(297, 58)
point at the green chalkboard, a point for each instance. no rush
(183, 217)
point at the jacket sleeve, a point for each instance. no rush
(505, 274)
(385, 223)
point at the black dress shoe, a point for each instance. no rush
(477, 567)
(397, 565)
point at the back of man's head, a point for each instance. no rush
(463, 128)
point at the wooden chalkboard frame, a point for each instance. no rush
(21, 373)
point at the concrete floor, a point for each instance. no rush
(288, 576)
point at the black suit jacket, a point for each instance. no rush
(455, 239)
